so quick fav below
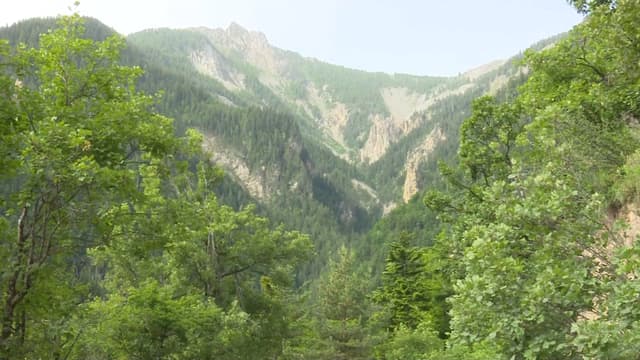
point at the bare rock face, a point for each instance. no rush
(330, 114)
(629, 214)
(210, 62)
(415, 158)
(404, 107)
(379, 139)
(388, 207)
(402, 103)
(337, 118)
(255, 184)
(236, 55)
(252, 47)
(334, 115)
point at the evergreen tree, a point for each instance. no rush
(343, 308)
(413, 292)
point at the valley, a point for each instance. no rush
(199, 193)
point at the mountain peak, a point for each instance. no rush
(237, 31)
(253, 46)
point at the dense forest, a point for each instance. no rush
(121, 239)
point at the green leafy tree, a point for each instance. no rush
(193, 248)
(587, 6)
(530, 236)
(488, 139)
(150, 322)
(423, 343)
(93, 174)
(411, 344)
(76, 130)
(526, 277)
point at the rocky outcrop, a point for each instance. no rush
(388, 207)
(415, 158)
(445, 93)
(404, 107)
(333, 115)
(210, 62)
(381, 133)
(235, 166)
(402, 103)
(366, 188)
(251, 47)
(630, 215)
(325, 100)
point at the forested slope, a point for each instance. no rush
(290, 178)
(532, 258)
(115, 242)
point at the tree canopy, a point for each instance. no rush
(115, 244)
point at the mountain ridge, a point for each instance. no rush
(357, 115)
(319, 147)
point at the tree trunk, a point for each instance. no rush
(13, 295)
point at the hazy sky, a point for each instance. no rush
(422, 37)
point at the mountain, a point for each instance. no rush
(321, 148)
(350, 145)
(376, 122)
(118, 240)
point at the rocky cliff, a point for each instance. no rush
(360, 117)
(415, 158)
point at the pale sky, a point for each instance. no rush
(421, 37)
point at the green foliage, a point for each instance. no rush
(114, 247)
(423, 343)
(526, 278)
(151, 323)
(410, 219)
(626, 188)
(77, 130)
(343, 309)
(412, 290)
(587, 6)
(200, 248)
(615, 334)
(488, 139)
(411, 344)
(526, 214)
(357, 129)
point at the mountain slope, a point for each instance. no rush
(364, 118)
(322, 148)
